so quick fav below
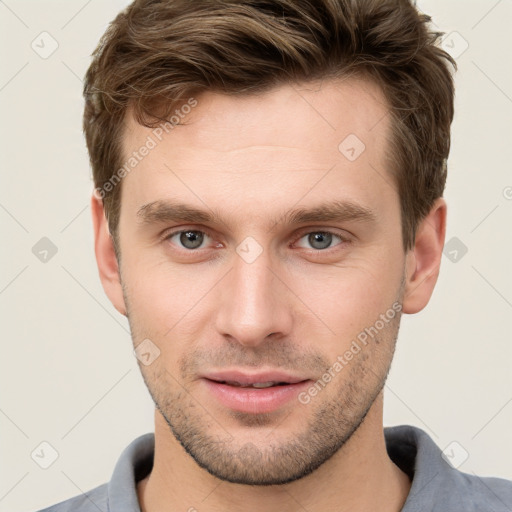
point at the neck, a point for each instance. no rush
(359, 477)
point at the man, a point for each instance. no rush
(268, 202)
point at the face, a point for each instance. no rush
(261, 246)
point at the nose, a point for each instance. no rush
(254, 303)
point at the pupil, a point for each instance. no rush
(320, 240)
(191, 239)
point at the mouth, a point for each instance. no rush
(256, 385)
(254, 393)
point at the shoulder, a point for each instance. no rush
(94, 500)
(436, 484)
(477, 493)
(120, 493)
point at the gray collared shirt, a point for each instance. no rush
(436, 485)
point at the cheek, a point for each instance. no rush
(173, 303)
(347, 297)
(166, 299)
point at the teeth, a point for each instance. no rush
(259, 385)
(263, 384)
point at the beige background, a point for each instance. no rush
(68, 376)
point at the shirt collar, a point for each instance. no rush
(410, 448)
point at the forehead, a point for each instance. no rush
(311, 138)
(332, 107)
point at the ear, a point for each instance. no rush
(106, 257)
(424, 259)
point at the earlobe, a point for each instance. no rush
(423, 261)
(105, 256)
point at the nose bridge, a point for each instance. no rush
(254, 304)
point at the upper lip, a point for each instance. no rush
(246, 378)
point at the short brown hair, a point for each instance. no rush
(156, 53)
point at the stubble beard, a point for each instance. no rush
(330, 423)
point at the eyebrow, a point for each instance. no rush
(166, 211)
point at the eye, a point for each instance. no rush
(192, 239)
(188, 239)
(320, 240)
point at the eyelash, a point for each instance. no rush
(343, 240)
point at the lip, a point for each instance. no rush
(254, 400)
(246, 378)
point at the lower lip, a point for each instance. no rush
(254, 400)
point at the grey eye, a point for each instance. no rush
(319, 239)
(190, 239)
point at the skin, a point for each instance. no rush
(295, 307)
